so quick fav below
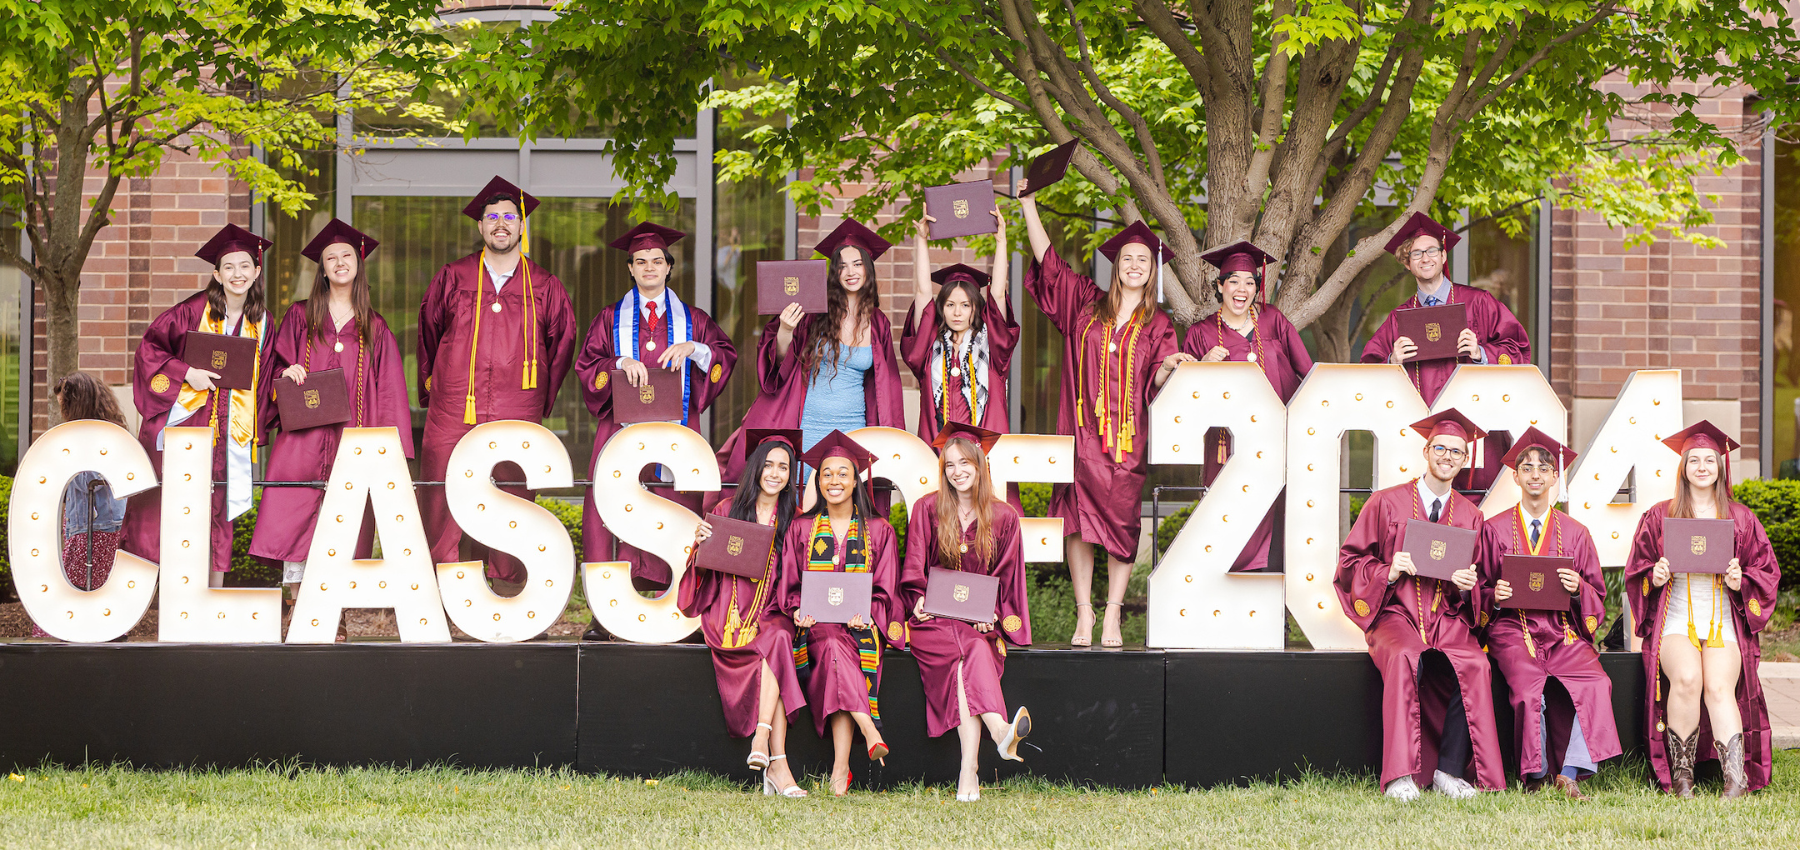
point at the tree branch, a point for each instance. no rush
(1274, 101)
(1152, 157)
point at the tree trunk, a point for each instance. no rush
(62, 320)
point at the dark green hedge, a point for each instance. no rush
(1777, 504)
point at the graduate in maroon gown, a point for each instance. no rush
(840, 663)
(1437, 718)
(752, 641)
(832, 371)
(496, 336)
(1247, 328)
(650, 328)
(1702, 633)
(1119, 347)
(334, 328)
(169, 392)
(964, 526)
(959, 339)
(1494, 336)
(1562, 735)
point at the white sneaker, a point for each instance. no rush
(1451, 786)
(1403, 789)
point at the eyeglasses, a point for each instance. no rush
(1427, 252)
(501, 217)
(1446, 451)
(1535, 468)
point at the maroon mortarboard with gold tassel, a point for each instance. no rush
(1562, 455)
(1421, 224)
(960, 271)
(232, 238)
(500, 186)
(790, 437)
(1703, 435)
(839, 444)
(334, 232)
(1451, 422)
(647, 236)
(852, 232)
(1140, 233)
(974, 434)
(1242, 256)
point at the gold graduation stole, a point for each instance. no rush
(242, 402)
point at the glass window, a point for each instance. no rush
(12, 283)
(290, 276)
(1785, 276)
(1506, 267)
(749, 226)
(1040, 344)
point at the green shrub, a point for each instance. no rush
(897, 519)
(6, 588)
(1777, 504)
(247, 570)
(1172, 524)
(569, 514)
(1035, 499)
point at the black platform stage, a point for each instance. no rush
(1127, 719)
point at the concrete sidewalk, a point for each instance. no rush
(1781, 687)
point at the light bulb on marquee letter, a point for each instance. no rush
(519, 527)
(1037, 459)
(649, 522)
(1335, 398)
(1510, 399)
(370, 469)
(903, 459)
(1647, 409)
(34, 540)
(191, 612)
(1195, 601)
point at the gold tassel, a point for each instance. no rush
(731, 626)
(1530, 646)
(1078, 404)
(1715, 638)
(469, 409)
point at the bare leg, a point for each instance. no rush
(768, 700)
(1118, 575)
(1681, 664)
(1720, 667)
(1080, 555)
(871, 735)
(842, 727)
(771, 712)
(968, 735)
(215, 579)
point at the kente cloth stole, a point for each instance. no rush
(243, 402)
(822, 557)
(677, 328)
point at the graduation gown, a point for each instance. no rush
(593, 368)
(158, 376)
(1532, 647)
(376, 377)
(1504, 342)
(1404, 620)
(447, 341)
(942, 645)
(922, 329)
(1751, 608)
(782, 384)
(1285, 362)
(722, 601)
(829, 658)
(1103, 505)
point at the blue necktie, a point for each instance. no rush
(1431, 301)
(1535, 528)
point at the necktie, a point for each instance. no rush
(652, 332)
(1435, 505)
(1431, 301)
(1536, 526)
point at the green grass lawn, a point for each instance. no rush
(293, 807)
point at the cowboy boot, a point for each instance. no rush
(1731, 763)
(1681, 763)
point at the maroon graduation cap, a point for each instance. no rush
(1450, 422)
(500, 186)
(336, 231)
(960, 271)
(852, 232)
(232, 238)
(1422, 225)
(839, 444)
(1241, 256)
(977, 435)
(790, 437)
(1703, 435)
(1140, 233)
(647, 236)
(1535, 439)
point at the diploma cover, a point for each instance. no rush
(736, 547)
(832, 597)
(1699, 545)
(961, 209)
(658, 400)
(323, 400)
(1049, 168)
(783, 282)
(969, 597)
(1433, 329)
(1438, 550)
(1535, 584)
(232, 357)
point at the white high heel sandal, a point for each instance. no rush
(759, 760)
(1021, 727)
(793, 791)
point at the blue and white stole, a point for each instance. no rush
(676, 329)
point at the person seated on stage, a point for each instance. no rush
(1532, 647)
(752, 642)
(1437, 723)
(965, 526)
(90, 515)
(840, 663)
(1702, 633)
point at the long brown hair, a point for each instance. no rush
(1683, 506)
(1106, 307)
(977, 304)
(82, 396)
(255, 300)
(823, 329)
(949, 527)
(318, 303)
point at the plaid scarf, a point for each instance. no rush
(822, 557)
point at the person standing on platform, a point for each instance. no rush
(1702, 633)
(91, 517)
(171, 393)
(959, 339)
(649, 328)
(1437, 718)
(496, 336)
(1494, 336)
(840, 664)
(334, 328)
(965, 526)
(752, 641)
(836, 370)
(1247, 328)
(1561, 741)
(1119, 347)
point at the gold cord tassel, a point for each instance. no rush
(1716, 637)
(469, 409)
